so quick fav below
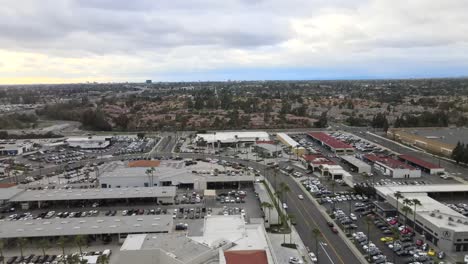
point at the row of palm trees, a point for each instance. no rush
(45, 244)
(406, 209)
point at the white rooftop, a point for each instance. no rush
(176, 172)
(92, 194)
(355, 161)
(85, 225)
(232, 137)
(386, 190)
(8, 193)
(430, 209)
(289, 141)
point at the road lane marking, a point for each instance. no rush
(315, 223)
(322, 245)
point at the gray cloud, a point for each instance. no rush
(110, 37)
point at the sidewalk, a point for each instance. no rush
(283, 253)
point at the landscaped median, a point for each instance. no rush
(283, 227)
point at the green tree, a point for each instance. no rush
(22, 241)
(458, 152)
(396, 236)
(268, 206)
(416, 203)
(62, 243)
(291, 218)
(44, 244)
(80, 241)
(398, 196)
(285, 190)
(406, 210)
(2, 246)
(103, 259)
(322, 122)
(316, 234)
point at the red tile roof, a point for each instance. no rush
(144, 163)
(419, 162)
(246, 257)
(329, 140)
(317, 159)
(7, 185)
(390, 162)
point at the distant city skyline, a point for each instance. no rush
(56, 41)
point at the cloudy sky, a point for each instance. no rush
(61, 41)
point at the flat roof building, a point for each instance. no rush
(357, 165)
(55, 227)
(425, 166)
(337, 146)
(392, 167)
(91, 142)
(291, 144)
(267, 150)
(422, 138)
(439, 223)
(313, 161)
(233, 137)
(200, 176)
(158, 194)
(13, 148)
(225, 239)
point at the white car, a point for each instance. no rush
(285, 206)
(353, 217)
(300, 196)
(295, 260)
(312, 257)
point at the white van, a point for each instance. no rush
(107, 252)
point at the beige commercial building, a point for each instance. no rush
(428, 144)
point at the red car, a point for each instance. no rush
(393, 222)
(419, 242)
(406, 231)
(335, 230)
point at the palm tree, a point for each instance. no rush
(21, 243)
(62, 242)
(80, 241)
(416, 203)
(396, 236)
(333, 184)
(2, 245)
(268, 206)
(15, 175)
(291, 217)
(103, 259)
(44, 244)
(398, 196)
(148, 173)
(285, 189)
(316, 233)
(406, 209)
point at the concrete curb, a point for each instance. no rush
(342, 235)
